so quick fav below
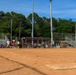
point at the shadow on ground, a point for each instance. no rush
(24, 66)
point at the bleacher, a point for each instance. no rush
(70, 42)
(3, 40)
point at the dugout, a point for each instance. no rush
(37, 42)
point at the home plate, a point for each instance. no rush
(67, 66)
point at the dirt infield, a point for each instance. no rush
(38, 61)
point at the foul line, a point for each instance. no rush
(62, 66)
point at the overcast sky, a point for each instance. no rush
(65, 9)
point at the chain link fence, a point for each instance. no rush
(69, 38)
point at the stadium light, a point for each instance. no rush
(51, 27)
(32, 21)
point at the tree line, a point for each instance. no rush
(23, 25)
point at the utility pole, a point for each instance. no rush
(51, 27)
(20, 30)
(32, 22)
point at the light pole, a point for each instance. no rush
(11, 27)
(75, 32)
(51, 27)
(32, 21)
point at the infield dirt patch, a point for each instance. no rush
(38, 61)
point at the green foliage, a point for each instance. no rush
(41, 25)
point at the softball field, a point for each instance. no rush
(38, 61)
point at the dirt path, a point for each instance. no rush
(38, 61)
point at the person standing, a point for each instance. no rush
(8, 43)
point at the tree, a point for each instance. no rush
(41, 25)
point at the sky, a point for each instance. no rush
(65, 9)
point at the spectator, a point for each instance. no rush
(8, 43)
